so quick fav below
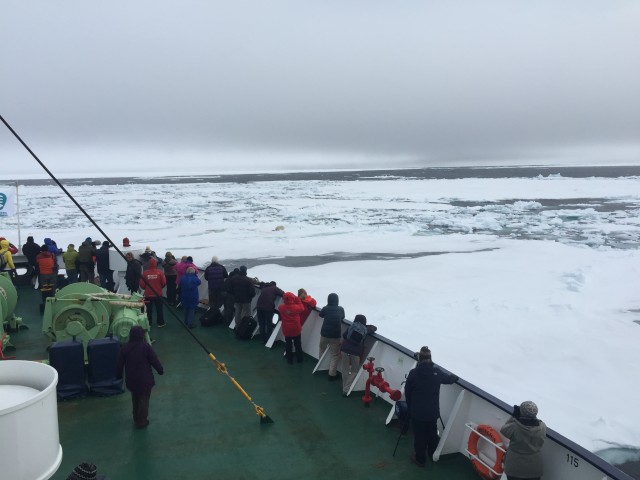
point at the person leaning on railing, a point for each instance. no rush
(526, 435)
(7, 258)
(332, 315)
(422, 392)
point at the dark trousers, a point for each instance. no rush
(47, 284)
(106, 281)
(216, 297)
(265, 322)
(171, 289)
(72, 276)
(154, 302)
(86, 272)
(425, 439)
(293, 341)
(140, 404)
(229, 308)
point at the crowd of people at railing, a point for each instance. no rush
(233, 292)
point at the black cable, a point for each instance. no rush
(53, 177)
(222, 368)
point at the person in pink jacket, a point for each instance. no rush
(289, 313)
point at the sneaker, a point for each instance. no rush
(415, 461)
(333, 378)
(160, 325)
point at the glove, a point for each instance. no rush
(516, 411)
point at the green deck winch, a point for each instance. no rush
(8, 301)
(87, 312)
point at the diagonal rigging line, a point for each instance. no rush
(222, 368)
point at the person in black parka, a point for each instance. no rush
(266, 308)
(422, 392)
(104, 271)
(31, 250)
(215, 275)
(136, 358)
(242, 289)
(134, 273)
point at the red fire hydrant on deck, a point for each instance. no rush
(378, 382)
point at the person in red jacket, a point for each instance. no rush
(153, 281)
(309, 304)
(47, 276)
(289, 312)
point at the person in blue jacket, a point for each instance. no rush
(189, 297)
(53, 248)
(422, 393)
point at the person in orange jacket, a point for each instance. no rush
(153, 281)
(309, 304)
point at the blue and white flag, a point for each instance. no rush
(7, 203)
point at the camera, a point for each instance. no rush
(516, 411)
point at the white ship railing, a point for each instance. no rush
(461, 404)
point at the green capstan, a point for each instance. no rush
(8, 301)
(88, 312)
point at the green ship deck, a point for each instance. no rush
(201, 427)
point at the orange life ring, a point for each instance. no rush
(472, 447)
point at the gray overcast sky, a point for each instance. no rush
(187, 86)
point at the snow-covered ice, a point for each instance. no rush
(526, 287)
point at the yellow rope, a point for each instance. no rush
(222, 368)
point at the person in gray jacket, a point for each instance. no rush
(526, 436)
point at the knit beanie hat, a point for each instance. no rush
(424, 354)
(136, 333)
(360, 319)
(84, 471)
(243, 269)
(528, 409)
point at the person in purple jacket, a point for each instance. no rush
(137, 357)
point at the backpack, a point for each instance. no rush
(356, 333)
(3, 260)
(211, 317)
(246, 327)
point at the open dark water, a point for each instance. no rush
(418, 173)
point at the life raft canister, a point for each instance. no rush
(480, 468)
